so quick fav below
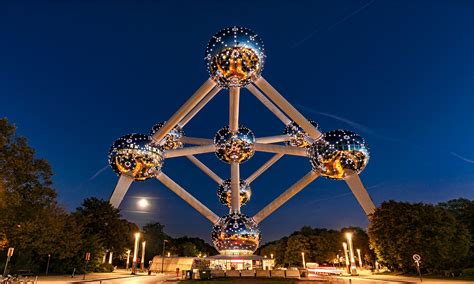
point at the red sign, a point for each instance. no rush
(10, 252)
(88, 256)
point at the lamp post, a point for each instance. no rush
(304, 262)
(135, 252)
(47, 265)
(163, 255)
(128, 259)
(351, 251)
(346, 257)
(360, 259)
(142, 263)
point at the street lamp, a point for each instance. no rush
(271, 255)
(163, 255)
(128, 259)
(346, 256)
(142, 264)
(304, 262)
(135, 252)
(360, 259)
(351, 251)
(47, 265)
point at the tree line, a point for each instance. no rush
(32, 221)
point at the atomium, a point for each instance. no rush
(339, 153)
(236, 234)
(224, 192)
(235, 56)
(298, 137)
(134, 156)
(234, 146)
(172, 139)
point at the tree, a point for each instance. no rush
(295, 246)
(31, 221)
(101, 221)
(398, 230)
(463, 211)
(154, 235)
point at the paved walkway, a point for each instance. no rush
(118, 276)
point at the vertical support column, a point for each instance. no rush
(235, 187)
(234, 100)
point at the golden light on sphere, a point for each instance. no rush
(235, 57)
(143, 203)
(134, 156)
(339, 153)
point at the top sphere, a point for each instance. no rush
(235, 57)
(339, 153)
(134, 156)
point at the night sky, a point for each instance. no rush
(76, 75)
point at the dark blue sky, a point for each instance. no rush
(76, 75)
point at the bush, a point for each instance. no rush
(468, 272)
(104, 267)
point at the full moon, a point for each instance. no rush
(143, 203)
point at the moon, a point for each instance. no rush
(143, 203)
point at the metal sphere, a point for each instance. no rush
(297, 134)
(234, 146)
(339, 153)
(172, 139)
(134, 156)
(235, 57)
(224, 193)
(236, 234)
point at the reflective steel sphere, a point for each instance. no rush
(234, 147)
(236, 234)
(234, 57)
(298, 135)
(224, 193)
(134, 156)
(339, 153)
(172, 139)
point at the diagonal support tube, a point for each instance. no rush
(279, 149)
(235, 187)
(205, 169)
(199, 106)
(186, 151)
(263, 168)
(285, 196)
(360, 193)
(266, 102)
(181, 192)
(184, 110)
(120, 190)
(285, 106)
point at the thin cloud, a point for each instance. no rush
(461, 157)
(325, 29)
(372, 132)
(98, 173)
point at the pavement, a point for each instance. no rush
(123, 276)
(118, 276)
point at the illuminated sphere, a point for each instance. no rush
(172, 139)
(134, 156)
(297, 134)
(235, 57)
(234, 147)
(224, 193)
(236, 234)
(339, 153)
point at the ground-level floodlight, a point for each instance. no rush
(235, 59)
